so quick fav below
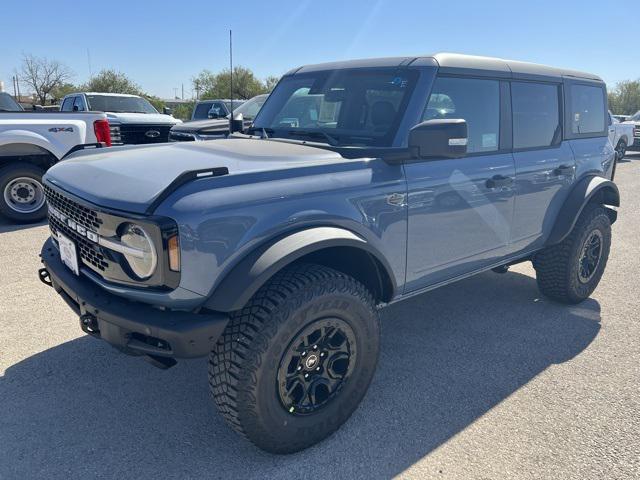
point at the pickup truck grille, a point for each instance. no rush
(125, 134)
(91, 254)
(636, 131)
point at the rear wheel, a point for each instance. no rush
(22, 195)
(621, 149)
(294, 364)
(571, 270)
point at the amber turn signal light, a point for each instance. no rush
(173, 246)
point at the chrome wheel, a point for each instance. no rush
(24, 195)
(590, 256)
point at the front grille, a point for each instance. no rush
(137, 134)
(81, 214)
(636, 131)
(90, 253)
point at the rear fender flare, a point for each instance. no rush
(591, 188)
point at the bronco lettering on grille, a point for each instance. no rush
(75, 226)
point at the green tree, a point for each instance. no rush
(270, 82)
(203, 82)
(183, 111)
(112, 81)
(245, 84)
(58, 93)
(624, 99)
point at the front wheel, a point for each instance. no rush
(294, 364)
(571, 270)
(21, 193)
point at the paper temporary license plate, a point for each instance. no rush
(68, 253)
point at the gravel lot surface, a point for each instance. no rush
(484, 379)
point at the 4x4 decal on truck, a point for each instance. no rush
(61, 129)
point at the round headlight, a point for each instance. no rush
(141, 254)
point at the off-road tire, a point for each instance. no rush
(244, 364)
(16, 170)
(557, 266)
(621, 149)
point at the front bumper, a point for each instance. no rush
(133, 327)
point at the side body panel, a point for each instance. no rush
(543, 183)
(221, 220)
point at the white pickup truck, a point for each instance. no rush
(31, 142)
(133, 119)
(621, 136)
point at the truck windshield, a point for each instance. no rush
(251, 107)
(8, 104)
(109, 103)
(358, 107)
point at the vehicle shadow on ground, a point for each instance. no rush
(8, 226)
(81, 409)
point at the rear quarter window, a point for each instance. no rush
(587, 109)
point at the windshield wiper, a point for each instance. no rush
(315, 133)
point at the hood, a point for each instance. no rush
(131, 178)
(197, 125)
(142, 118)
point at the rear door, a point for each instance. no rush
(545, 165)
(586, 127)
(460, 210)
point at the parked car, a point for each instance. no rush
(30, 142)
(635, 121)
(132, 118)
(212, 109)
(621, 118)
(219, 128)
(620, 135)
(272, 251)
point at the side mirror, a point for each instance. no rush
(236, 124)
(167, 110)
(439, 138)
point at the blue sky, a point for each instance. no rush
(162, 44)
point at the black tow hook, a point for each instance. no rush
(89, 324)
(43, 275)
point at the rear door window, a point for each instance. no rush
(78, 104)
(475, 100)
(587, 114)
(67, 105)
(536, 115)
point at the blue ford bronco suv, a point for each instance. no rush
(359, 184)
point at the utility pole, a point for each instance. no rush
(15, 90)
(182, 92)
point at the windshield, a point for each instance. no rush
(251, 107)
(108, 103)
(359, 107)
(201, 110)
(8, 104)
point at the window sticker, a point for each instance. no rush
(489, 140)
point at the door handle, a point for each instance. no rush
(498, 181)
(564, 170)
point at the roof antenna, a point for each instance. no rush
(231, 70)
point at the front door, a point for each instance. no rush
(460, 210)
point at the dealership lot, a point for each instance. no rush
(481, 379)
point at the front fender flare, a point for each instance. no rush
(253, 271)
(585, 190)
